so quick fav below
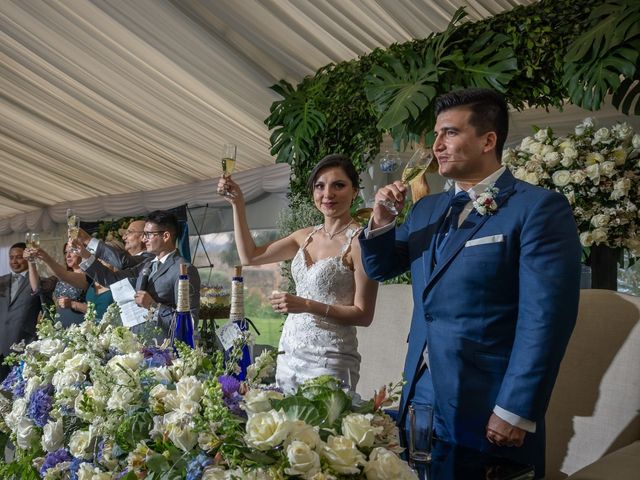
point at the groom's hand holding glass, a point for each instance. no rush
(395, 193)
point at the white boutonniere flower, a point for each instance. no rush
(485, 203)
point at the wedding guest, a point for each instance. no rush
(333, 294)
(18, 308)
(134, 253)
(156, 279)
(495, 266)
(68, 284)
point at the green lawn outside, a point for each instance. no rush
(270, 329)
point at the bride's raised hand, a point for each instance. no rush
(283, 302)
(230, 190)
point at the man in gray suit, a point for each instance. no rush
(135, 250)
(156, 279)
(18, 307)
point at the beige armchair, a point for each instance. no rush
(593, 421)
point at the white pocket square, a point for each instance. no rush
(481, 241)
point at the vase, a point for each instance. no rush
(604, 267)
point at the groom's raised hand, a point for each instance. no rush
(395, 193)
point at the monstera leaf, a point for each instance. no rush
(295, 121)
(487, 63)
(605, 58)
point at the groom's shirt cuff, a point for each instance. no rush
(515, 420)
(370, 233)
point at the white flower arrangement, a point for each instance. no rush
(597, 169)
(93, 402)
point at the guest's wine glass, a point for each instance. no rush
(416, 167)
(73, 228)
(228, 162)
(35, 240)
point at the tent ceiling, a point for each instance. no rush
(117, 96)
(103, 97)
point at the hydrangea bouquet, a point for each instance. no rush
(92, 402)
(597, 169)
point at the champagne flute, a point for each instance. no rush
(73, 228)
(27, 239)
(35, 240)
(416, 166)
(228, 162)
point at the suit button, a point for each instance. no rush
(428, 317)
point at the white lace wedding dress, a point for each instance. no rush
(314, 346)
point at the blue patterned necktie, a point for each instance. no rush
(450, 224)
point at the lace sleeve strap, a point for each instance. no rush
(350, 234)
(306, 240)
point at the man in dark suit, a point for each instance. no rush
(160, 273)
(18, 307)
(495, 266)
(134, 252)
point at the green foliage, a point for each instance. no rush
(604, 59)
(133, 429)
(19, 469)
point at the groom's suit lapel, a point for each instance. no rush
(468, 228)
(439, 214)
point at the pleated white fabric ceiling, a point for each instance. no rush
(119, 96)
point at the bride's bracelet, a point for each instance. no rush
(326, 312)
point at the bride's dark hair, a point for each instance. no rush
(334, 160)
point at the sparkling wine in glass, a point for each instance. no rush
(35, 240)
(73, 227)
(416, 167)
(27, 240)
(228, 161)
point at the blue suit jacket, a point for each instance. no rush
(496, 315)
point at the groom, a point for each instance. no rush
(495, 264)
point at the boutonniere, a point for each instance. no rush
(485, 203)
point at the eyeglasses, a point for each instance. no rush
(148, 235)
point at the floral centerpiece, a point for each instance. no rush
(93, 402)
(597, 169)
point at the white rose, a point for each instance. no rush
(162, 374)
(130, 361)
(568, 157)
(121, 398)
(532, 178)
(633, 244)
(621, 188)
(535, 148)
(189, 389)
(586, 239)
(358, 428)
(600, 220)
(49, 347)
(27, 435)
(52, 436)
(63, 379)
(80, 443)
(546, 150)
(342, 455)
(561, 178)
(593, 172)
(602, 134)
(635, 141)
(386, 465)
(520, 173)
(18, 410)
(608, 169)
(157, 431)
(541, 135)
(566, 143)
(619, 156)
(593, 158)
(303, 432)
(183, 435)
(33, 383)
(266, 430)
(78, 363)
(57, 361)
(578, 177)
(256, 400)
(302, 459)
(508, 156)
(571, 197)
(552, 159)
(599, 235)
(525, 143)
(157, 397)
(622, 131)
(219, 473)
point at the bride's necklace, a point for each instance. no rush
(331, 235)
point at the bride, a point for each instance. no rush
(333, 293)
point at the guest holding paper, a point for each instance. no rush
(68, 285)
(333, 294)
(495, 266)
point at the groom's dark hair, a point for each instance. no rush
(334, 160)
(489, 111)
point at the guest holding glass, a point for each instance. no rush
(333, 294)
(68, 284)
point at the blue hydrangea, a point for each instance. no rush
(14, 382)
(196, 466)
(74, 467)
(54, 458)
(40, 405)
(229, 385)
(156, 357)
